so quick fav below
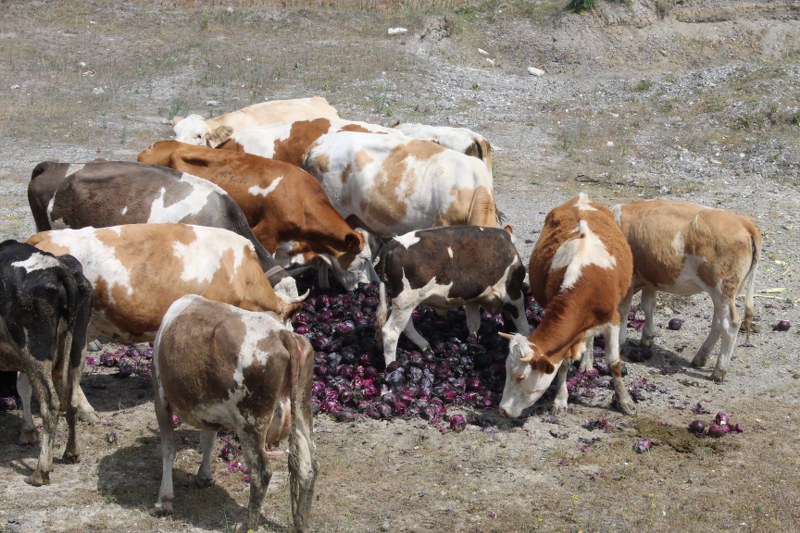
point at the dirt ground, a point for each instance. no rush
(695, 99)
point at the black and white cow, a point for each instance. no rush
(111, 193)
(45, 307)
(446, 268)
(224, 368)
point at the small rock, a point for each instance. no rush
(483, 52)
(98, 90)
(533, 71)
(396, 31)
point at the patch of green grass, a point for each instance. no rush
(579, 6)
(643, 85)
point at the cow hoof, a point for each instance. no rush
(718, 376)
(37, 479)
(558, 409)
(71, 458)
(90, 417)
(161, 510)
(203, 482)
(626, 406)
(27, 437)
(699, 360)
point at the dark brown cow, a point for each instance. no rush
(285, 206)
(111, 193)
(45, 306)
(223, 368)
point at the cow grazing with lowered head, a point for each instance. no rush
(580, 270)
(111, 193)
(461, 140)
(392, 185)
(138, 270)
(285, 206)
(194, 129)
(290, 141)
(45, 306)
(446, 268)
(683, 248)
(222, 368)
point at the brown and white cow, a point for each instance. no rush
(111, 193)
(447, 268)
(194, 129)
(580, 270)
(290, 141)
(45, 306)
(138, 270)
(462, 140)
(684, 248)
(285, 206)
(219, 368)
(393, 184)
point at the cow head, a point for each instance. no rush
(191, 130)
(355, 265)
(528, 375)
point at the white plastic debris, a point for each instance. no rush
(98, 90)
(533, 71)
(490, 61)
(483, 52)
(396, 31)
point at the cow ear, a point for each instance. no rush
(354, 242)
(219, 135)
(176, 119)
(542, 365)
(509, 229)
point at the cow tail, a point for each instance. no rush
(302, 451)
(381, 315)
(486, 153)
(749, 281)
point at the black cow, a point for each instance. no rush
(111, 193)
(45, 308)
(446, 268)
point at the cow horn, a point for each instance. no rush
(505, 335)
(527, 358)
(300, 298)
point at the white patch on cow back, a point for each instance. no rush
(576, 253)
(72, 169)
(450, 251)
(255, 190)
(408, 239)
(124, 211)
(257, 327)
(616, 210)
(583, 203)
(677, 243)
(189, 205)
(37, 261)
(201, 262)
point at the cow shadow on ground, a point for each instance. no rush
(108, 392)
(131, 477)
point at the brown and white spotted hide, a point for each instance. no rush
(461, 140)
(579, 272)
(290, 141)
(139, 270)
(112, 193)
(194, 129)
(683, 248)
(394, 185)
(446, 268)
(45, 306)
(221, 368)
(285, 206)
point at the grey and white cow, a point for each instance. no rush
(111, 193)
(446, 268)
(223, 368)
(45, 307)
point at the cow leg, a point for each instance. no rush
(623, 398)
(72, 452)
(302, 460)
(473, 312)
(562, 394)
(49, 408)
(648, 304)
(414, 335)
(624, 309)
(260, 474)
(27, 434)
(587, 354)
(730, 328)
(86, 412)
(165, 492)
(717, 325)
(207, 440)
(391, 332)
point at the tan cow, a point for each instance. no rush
(394, 184)
(580, 270)
(461, 140)
(286, 207)
(138, 270)
(290, 141)
(683, 248)
(194, 129)
(223, 368)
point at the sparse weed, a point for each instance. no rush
(643, 85)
